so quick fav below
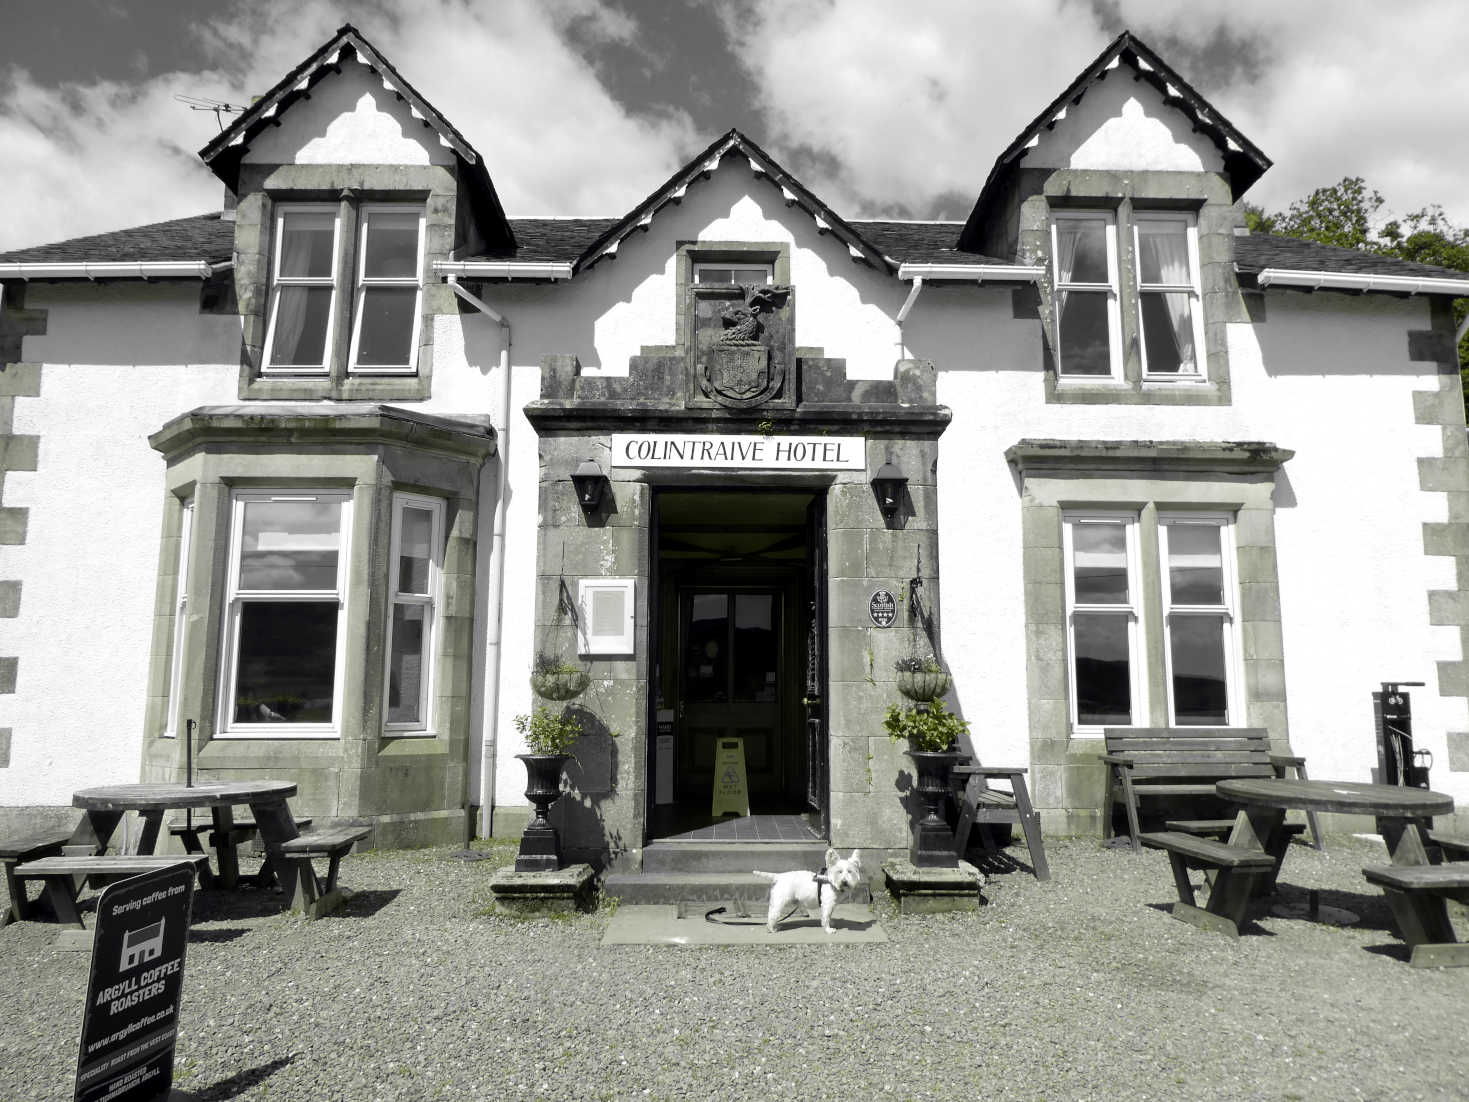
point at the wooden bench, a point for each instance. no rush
(1451, 847)
(311, 895)
(63, 876)
(27, 847)
(1416, 894)
(190, 829)
(1182, 763)
(981, 805)
(1236, 871)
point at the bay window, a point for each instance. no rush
(286, 604)
(1199, 618)
(1170, 322)
(415, 564)
(1103, 614)
(1084, 260)
(180, 618)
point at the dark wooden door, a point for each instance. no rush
(731, 682)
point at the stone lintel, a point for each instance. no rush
(534, 894)
(1245, 457)
(600, 415)
(931, 891)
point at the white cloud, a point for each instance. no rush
(912, 101)
(87, 158)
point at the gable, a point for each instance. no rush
(1125, 124)
(352, 117)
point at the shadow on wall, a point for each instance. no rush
(577, 815)
(1330, 333)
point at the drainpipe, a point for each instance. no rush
(903, 314)
(497, 563)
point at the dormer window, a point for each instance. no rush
(310, 270)
(303, 301)
(1084, 268)
(734, 273)
(1170, 323)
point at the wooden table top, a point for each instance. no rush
(163, 797)
(1350, 797)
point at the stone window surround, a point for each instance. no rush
(349, 188)
(1206, 195)
(1182, 476)
(688, 253)
(372, 455)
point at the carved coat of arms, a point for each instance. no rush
(737, 369)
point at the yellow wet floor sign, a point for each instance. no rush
(731, 793)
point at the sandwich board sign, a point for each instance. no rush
(731, 792)
(131, 1018)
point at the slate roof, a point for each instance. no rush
(921, 242)
(562, 240)
(202, 237)
(1257, 251)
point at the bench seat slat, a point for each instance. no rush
(1219, 854)
(324, 841)
(23, 844)
(103, 863)
(1420, 878)
(1455, 844)
(1254, 747)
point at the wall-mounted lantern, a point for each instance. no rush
(888, 485)
(590, 483)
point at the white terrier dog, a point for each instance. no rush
(816, 892)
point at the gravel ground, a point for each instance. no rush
(1080, 988)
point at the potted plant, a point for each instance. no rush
(548, 737)
(557, 679)
(922, 677)
(932, 733)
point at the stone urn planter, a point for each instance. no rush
(540, 848)
(560, 684)
(933, 841)
(923, 685)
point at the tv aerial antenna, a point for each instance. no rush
(219, 107)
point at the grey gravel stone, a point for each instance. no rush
(1080, 988)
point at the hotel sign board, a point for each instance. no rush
(772, 453)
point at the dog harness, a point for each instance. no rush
(821, 878)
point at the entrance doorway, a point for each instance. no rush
(739, 621)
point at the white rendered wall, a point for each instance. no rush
(351, 118)
(90, 561)
(1123, 123)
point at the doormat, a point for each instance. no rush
(659, 924)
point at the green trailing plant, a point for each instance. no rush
(918, 663)
(548, 732)
(929, 727)
(549, 663)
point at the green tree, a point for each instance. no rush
(1349, 214)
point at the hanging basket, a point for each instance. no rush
(923, 684)
(559, 684)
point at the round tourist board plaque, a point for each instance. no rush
(882, 608)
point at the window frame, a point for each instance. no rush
(172, 706)
(1135, 610)
(282, 211)
(607, 644)
(226, 725)
(1193, 288)
(1228, 610)
(1112, 289)
(423, 727)
(768, 266)
(361, 282)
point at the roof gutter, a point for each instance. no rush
(503, 269)
(115, 269)
(1354, 281)
(976, 273)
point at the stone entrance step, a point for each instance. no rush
(676, 856)
(644, 888)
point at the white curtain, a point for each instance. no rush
(290, 302)
(1167, 254)
(1068, 237)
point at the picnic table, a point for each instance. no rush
(287, 850)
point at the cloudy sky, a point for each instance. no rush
(581, 107)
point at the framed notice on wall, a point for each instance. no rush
(605, 616)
